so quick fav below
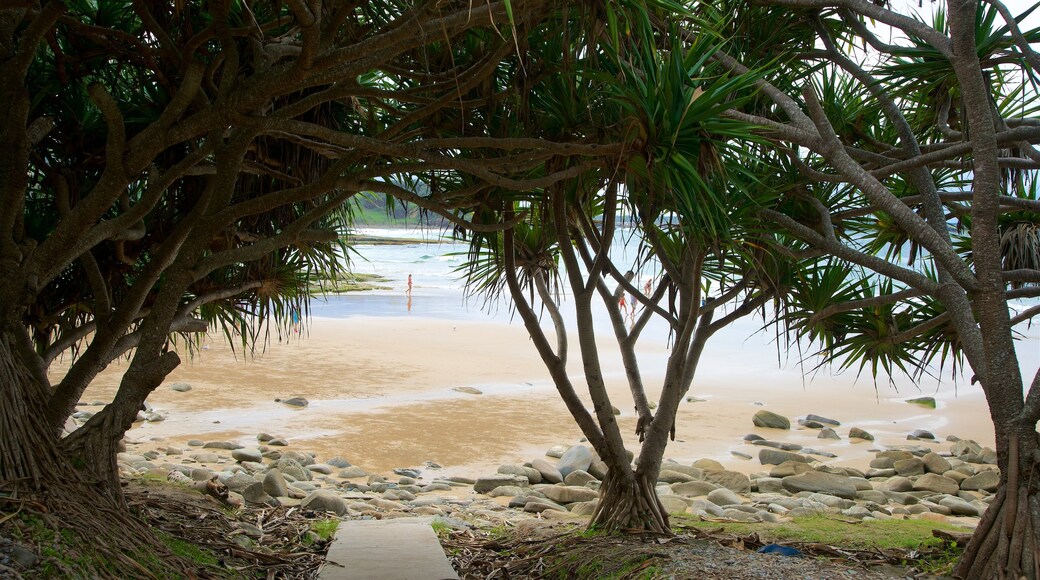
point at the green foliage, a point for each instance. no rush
(325, 528)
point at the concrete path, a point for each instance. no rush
(395, 549)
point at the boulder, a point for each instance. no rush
(694, 472)
(352, 472)
(789, 468)
(818, 481)
(731, 480)
(708, 465)
(922, 434)
(547, 470)
(828, 433)
(987, 480)
(506, 491)
(255, 494)
(299, 402)
(936, 483)
(539, 505)
(965, 447)
(907, 467)
(564, 494)
(927, 402)
(532, 474)
(724, 497)
(180, 387)
(935, 463)
(577, 457)
(900, 484)
(824, 420)
(578, 478)
(669, 476)
(958, 506)
(857, 433)
(486, 484)
(770, 420)
(694, 488)
(557, 451)
(325, 501)
(226, 445)
(251, 454)
(776, 457)
(275, 485)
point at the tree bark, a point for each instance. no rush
(628, 502)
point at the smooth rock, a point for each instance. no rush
(694, 488)
(352, 472)
(731, 480)
(253, 455)
(776, 457)
(724, 497)
(547, 470)
(907, 467)
(577, 457)
(564, 494)
(819, 419)
(789, 468)
(486, 484)
(935, 463)
(468, 390)
(557, 451)
(818, 481)
(296, 402)
(506, 491)
(669, 476)
(828, 433)
(227, 445)
(965, 447)
(338, 462)
(255, 494)
(936, 483)
(770, 420)
(857, 433)
(923, 434)
(958, 506)
(577, 478)
(275, 485)
(325, 501)
(180, 387)
(708, 465)
(987, 480)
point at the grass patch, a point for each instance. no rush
(902, 534)
(189, 551)
(440, 528)
(325, 528)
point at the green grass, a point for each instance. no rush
(903, 534)
(439, 527)
(189, 551)
(325, 528)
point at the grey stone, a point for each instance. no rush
(237, 481)
(958, 506)
(778, 445)
(180, 387)
(776, 457)
(987, 480)
(278, 442)
(857, 433)
(325, 501)
(753, 437)
(577, 457)
(724, 497)
(825, 420)
(789, 468)
(253, 455)
(935, 463)
(486, 484)
(901, 484)
(304, 459)
(322, 468)
(506, 491)
(828, 433)
(875, 496)
(296, 402)
(338, 462)
(770, 485)
(965, 447)
(770, 420)
(564, 494)
(532, 474)
(740, 454)
(598, 468)
(274, 484)
(669, 476)
(673, 504)
(731, 480)
(264, 437)
(694, 472)
(819, 481)
(912, 466)
(255, 494)
(548, 471)
(936, 483)
(923, 434)
(468, 390)
(352, 472)
(578, 478)
(221, 445)
(694, 488)
(538, 505)
(583, 508)
(708, 465)
(557, 451)
(293, 469)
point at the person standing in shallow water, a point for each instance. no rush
(409, 290)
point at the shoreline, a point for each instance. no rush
(346, 368)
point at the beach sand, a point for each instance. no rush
(381, 392)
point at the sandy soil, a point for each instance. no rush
(381, 393)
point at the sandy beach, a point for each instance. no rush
(381, 392)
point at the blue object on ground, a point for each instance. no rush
(778, 549)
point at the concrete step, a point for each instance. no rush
(395, 549)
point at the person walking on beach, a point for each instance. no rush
(648, 287)
(622, 304)
(409, 290)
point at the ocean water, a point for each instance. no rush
(745, 351)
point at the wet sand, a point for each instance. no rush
(381, 394)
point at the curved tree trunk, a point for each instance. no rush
(628, 502)
(1006, 543)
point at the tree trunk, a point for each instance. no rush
(628, 502)
(1006, 543)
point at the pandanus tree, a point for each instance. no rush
(918, 151)
(693, 200)
(168, 166)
